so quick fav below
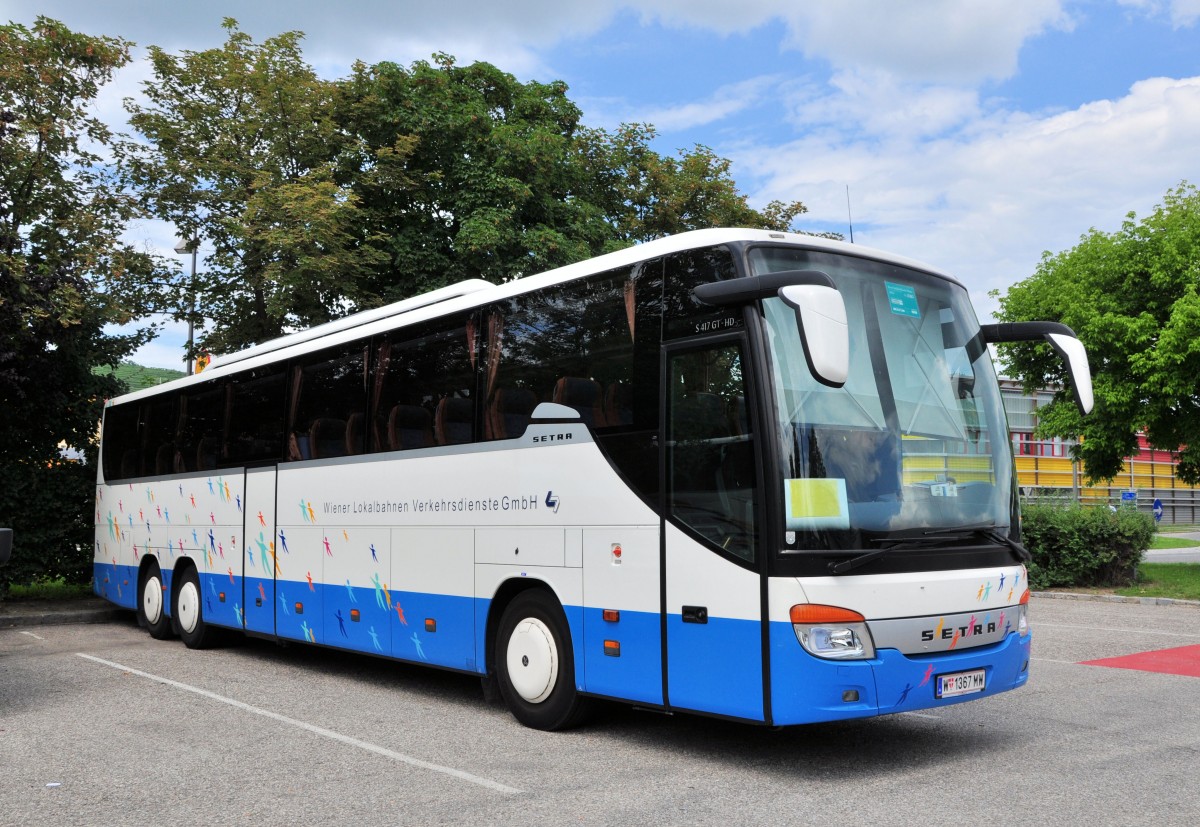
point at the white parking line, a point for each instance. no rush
(31, 634)
(316, 730)
(1108, 629)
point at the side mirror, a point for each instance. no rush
(1072, 351)
(1064, 342)
(824, 333)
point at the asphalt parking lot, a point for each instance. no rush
(99, 724)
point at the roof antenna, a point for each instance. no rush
(849, 217)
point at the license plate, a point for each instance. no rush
(960, 683)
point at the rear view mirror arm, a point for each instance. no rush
(1065, 343)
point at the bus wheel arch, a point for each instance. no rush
(152, 600)
(531, 655)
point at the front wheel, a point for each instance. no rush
(535, 666)
(151, 604)
(189, 613)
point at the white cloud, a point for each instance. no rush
(1183, 13)
(939, 41)
(943, 41)
(727, 100)
(507, 34)
(986, 200)
(875, 103)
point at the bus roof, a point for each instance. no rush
(473, 292)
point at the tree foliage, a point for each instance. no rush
(467, 173)
(646, 195)
(320, 198)
(472, 174)
(1133, 298)
(62, 266)
(240, 152)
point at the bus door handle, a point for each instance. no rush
(695, 614)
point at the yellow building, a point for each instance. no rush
(1045, 468)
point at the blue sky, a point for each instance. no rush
(971, 135)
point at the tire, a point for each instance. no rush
(189, 613)
(535, 667)
(152, 604)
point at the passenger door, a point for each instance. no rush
(713, 587)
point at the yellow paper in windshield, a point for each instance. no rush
(816, 503)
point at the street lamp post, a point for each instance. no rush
(192, 246)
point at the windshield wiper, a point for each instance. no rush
(1019, 550)
(933, 537)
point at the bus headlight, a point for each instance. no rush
(832, 632)
(1023, 616)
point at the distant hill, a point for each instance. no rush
(138, 377)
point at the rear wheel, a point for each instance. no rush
(152, 605)
(535, 667)
(189, 613)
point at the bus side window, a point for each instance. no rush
(202, 422)
(120, 441)
(572, 344)
(423, 388)
(328, 391)
(711, 479)
(160, 421)
(255, 421)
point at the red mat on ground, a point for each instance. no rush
(1182, 661)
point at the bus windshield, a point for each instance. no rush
(915, 439)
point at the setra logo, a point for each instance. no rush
(971, 627)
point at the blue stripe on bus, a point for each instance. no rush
(807, 689)
(117, 584)
(634, 675)
(716, 666)
(426, 628)
(393, 624)
(260, 607)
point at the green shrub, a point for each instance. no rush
(50, 510)
(1074, 546)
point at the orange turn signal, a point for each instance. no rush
(816, 613)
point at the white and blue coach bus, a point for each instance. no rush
(740, 473)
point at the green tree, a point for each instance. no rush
(470, 174)
(241, 153)
(1133, 298)
(473, 174)
(320, 198)
(645, 195)
(63, 273)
